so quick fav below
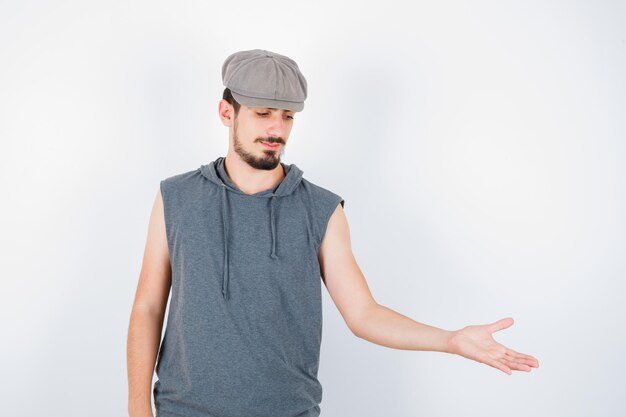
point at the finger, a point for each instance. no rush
(517, 365)
(516, 354)
(530, 358)
(501, 324)
(528, 361)
(524, 362)
(501, 367)
(497, 364)
(522, 357)
(509, 361)
(514, 361)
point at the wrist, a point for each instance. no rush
(140, 410)
(448, 343)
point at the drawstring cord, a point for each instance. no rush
(225, 225)
(273, 226)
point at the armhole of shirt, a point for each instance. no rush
(166, 208)
(336, 200)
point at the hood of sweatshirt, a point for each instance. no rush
(215, 172)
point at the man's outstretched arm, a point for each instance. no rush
(381, 325)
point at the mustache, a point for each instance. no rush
(271, 140)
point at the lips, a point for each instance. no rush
(270, 145)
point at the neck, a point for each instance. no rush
(251, 180)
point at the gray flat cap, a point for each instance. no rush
(260, 78)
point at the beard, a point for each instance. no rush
(268, 161)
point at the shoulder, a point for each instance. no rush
(180, 182)
(182, 177)
(322, 204)
(321, 195)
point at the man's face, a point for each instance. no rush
(255, 126)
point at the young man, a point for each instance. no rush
(242, 243)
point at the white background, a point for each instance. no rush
(479, 147)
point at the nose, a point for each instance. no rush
(277, 127)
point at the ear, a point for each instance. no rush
(226, 113)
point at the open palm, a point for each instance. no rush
(477, 343)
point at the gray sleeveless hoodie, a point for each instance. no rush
(244, 326)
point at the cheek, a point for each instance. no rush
(249, 133)
(257, 129)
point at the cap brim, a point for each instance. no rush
(267, 103)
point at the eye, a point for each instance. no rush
(262, 114)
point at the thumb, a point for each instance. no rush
(501, 324)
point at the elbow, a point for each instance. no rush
(353, 328)
(359, 321)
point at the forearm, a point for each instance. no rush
(144, 337)
(386, 327)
